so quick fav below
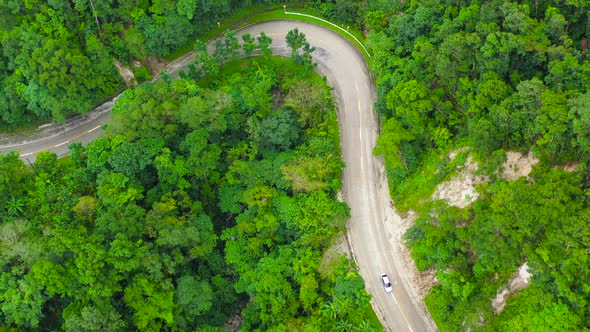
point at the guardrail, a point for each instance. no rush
(334, 25)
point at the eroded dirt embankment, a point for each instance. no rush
(460, 191)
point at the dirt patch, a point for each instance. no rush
(155, 65)
(571, 166)
(520, 281)
(126, 74)
(339, 247)
(277, 100)
(233, 323)
(460, 190)
(517, 165)
(422, 281)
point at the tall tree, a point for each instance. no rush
(300, 49)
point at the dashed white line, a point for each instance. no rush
(358, 97)
(401, 312)
(62, 143)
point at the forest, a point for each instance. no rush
(222, 187)
(209, 197)
(487, 77)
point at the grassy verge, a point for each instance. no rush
(25, 130)
(236, 20)
(283, 66)
(268, 13)
(372, 316)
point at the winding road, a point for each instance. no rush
(374, 227)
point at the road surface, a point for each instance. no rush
(374, 228)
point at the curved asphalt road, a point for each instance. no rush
(373, 229)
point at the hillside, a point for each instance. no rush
(490, 79)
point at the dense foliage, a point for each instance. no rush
(56, 57)
(496, 76)
(204, 200)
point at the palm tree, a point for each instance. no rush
(344, 326)
(329, 310)
(14, 206)
(365, 326)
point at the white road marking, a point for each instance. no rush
(62, 143)
(400, 310)
(358, 97)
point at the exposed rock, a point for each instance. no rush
(517, 165)
(126, 74)
(519, 281)
(460, 190)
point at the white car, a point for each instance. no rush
(386, 283)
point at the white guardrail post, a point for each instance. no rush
(334, 25)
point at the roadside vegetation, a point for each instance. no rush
(485, 78)
(210, 197)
